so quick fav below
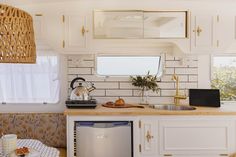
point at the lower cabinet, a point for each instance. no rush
(197, 137)
(149, 137)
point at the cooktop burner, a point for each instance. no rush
(81, 103)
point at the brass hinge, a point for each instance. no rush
(63, 43)
(63, 18)
(140, 124)
(167, 154)
(140, 148)
(218, 18)
(217, 43)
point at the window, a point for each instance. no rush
(224, 76)
(30, 83)
(128, 65)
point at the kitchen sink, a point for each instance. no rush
(173, 107)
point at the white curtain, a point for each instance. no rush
(31, 83)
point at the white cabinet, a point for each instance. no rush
(203, 33)
(149, 137)
(211, 33)
(39, 29)
(76, 32)
(177, 136)
(196, 137)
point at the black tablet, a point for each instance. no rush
(204, 97)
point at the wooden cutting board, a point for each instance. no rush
(123, 106)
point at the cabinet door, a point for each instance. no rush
(38, 27)
(225, 33)
(75, 32)
(203, 33)
(196, 137)
(149, 137)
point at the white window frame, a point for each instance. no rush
(43, 103)
(211, 71)
(161, 66)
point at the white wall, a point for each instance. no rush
(204, 69)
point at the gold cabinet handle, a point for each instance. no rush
(148, 136)
(83, 31)
(199, 31)
(224, 154)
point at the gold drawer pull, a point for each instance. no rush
(83, 31)
(167, 154)
(199, 31)
(149, 136)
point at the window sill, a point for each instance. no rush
(228, 103)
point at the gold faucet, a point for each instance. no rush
(177, 96)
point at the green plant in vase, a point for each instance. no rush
(145, 83)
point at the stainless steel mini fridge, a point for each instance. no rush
(104, 139)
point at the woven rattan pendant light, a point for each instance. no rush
(17, 43)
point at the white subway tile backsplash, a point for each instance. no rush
(112, 88)
(150, 93)
(186, 71)
(166, 85)
(106, 85)
(193, 78)
(188, 85)
(127, 85)
(82, 71)
(118, 92)
(83, 57)
(71, 77)
(168, 78)
(81, 63)
(193, 64)
(160, 100)
(169, 71)
(168, 92)
(137, 92)
(98, 92)
(173, 64)
(93, 78)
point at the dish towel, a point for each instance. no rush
(44, 150)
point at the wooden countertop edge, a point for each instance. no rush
(153, 114)
(101, 111)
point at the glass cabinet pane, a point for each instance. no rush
(172, 24)
(118, 24)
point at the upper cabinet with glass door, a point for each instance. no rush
(165, 24)
(140, 24)
(118, 24)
